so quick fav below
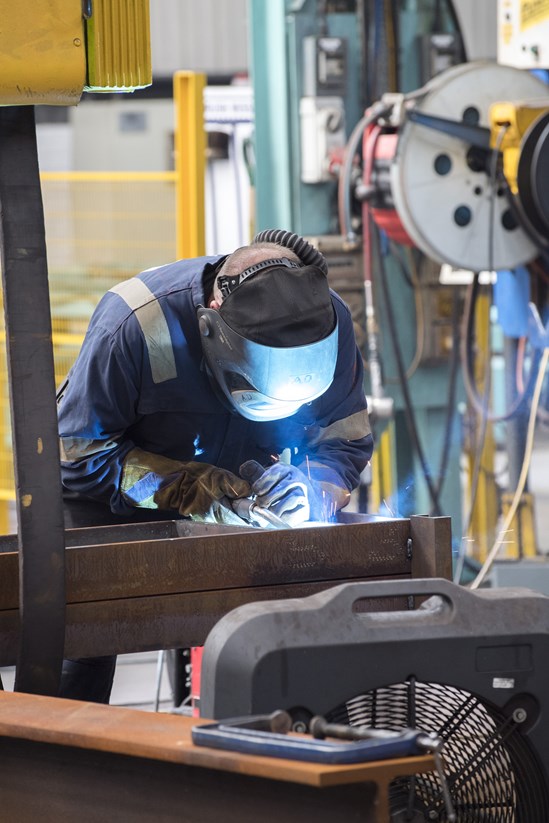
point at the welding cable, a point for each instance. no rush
(477, 465)
(377, 111)
(411, 276)
(538, 268)
(408, 409)
(481, 409)
(481, 406)
(451, 401)
(373, 114)
(363, 25)
(406, 267)
(478, 403)
(467, 348)
(492, 554)
(391, 46)
(374, 48)
(450, 5)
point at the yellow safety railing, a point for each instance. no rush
(101, 228)
(104, 227)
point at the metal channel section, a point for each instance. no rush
(164, 585)
(84, 760)
(40, 638)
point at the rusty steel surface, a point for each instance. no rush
(138, 591)
(85, 762)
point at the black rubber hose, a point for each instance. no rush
(306, 252)
(452, 389)
(467, 356)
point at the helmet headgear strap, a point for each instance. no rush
(227, 283)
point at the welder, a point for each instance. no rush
(190, 370)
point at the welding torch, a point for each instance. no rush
(248, 509)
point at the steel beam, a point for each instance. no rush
(165, 585)
(66, 760)
(32, 403)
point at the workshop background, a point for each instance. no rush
(109, 186)
(286, 87)
(408, 140)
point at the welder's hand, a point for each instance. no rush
(286, 492)
(193, 489)
(204, 493)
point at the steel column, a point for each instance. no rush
(33, 409)
(269, 60)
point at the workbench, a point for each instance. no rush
(63, 760)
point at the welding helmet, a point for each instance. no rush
(272, 344)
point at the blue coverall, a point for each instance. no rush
(139, 381)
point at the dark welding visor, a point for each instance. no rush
(265, 382)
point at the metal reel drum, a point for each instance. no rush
(444, 203)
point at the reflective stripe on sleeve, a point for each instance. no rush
(154, 326)
(354, 427)
(78, 448)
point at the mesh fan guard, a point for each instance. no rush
(491, 769)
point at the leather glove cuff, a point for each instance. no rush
(156, 482)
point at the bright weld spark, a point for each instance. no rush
(391, 512)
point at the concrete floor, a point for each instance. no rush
(135, 682)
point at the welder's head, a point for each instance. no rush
(270, 337)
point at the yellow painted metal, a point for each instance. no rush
(6, 526)
(516, 119)
(118, 46)
(108, 176)
(521, 540)
(190, 163)
(383, 471)
(42, 52)
(485, 508)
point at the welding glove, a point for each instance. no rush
(296, 497)
(197, 490)
(286, 492)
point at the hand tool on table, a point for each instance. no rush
(320, 729)
(267, 735)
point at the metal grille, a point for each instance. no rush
(492, 773)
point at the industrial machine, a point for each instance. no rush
(466, 170)
(456, 170)
(428, 198)
(468, 667)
